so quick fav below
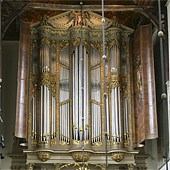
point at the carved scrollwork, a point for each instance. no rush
(86, 44)
(118, 157)
(74, 43)
(124, 85)
(95, 45)
(113, 42)
(53, 85)
(45, 79)
(53, 142)
(53, 43)
(44, 156)
(45, 40)
(63, 44)
(115, 81)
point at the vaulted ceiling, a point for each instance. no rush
(131, 13)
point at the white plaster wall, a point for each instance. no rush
(9, 89)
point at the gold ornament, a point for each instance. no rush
(117, 157)
(44, 156)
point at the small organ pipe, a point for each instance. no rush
(68, 124)
(107, 111)
(52, 118)
(60, 122)
(124, 115)
(73, 101)
(35, 116)
(65, 117)
(48, 114)
(92, 124)
(41, 122)
(33, 113)
(116, 113)
(45, 104)
(127, 127)
(120, 115)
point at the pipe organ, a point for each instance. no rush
(66, 87)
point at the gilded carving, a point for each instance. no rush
(102, 92)
(45, 40)
(115, 21)
(78, 17)
(53, 142)
(78, 156)
(99, 143)
(74, 43)
(15, 167)
(126, 142)
(86, 45)
(44, 156)
(44, 142)
(96, 102)
(113, 42)
(117, 157)
(34, 84)
(124, 85)
(77, 142)
(115, 80)
(79, 165)
(34, 142)
(63, 44)
(29, 123)
(45, 79)
(95, 45)
(53, 85)
(131, 166)
(29, 166)
(53, 43)
(108, 142)
(63, 143)
(57, 165)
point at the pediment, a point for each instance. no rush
(91, 19)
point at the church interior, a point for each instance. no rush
(84, 85)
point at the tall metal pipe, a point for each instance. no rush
(104, 56)
(82, 59)
(163, 88)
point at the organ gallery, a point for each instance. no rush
(60, 94)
